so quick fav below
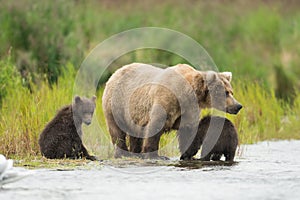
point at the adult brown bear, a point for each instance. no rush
(143, 102)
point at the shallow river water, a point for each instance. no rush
(267, 170)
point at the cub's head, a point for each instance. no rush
(215, 91)
(83, 108)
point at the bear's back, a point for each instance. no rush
(217, 123)
(122, 84)
(61, 124)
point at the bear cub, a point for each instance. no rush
(62, 136)
(209, 132)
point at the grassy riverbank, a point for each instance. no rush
(24, 115)
(44, 43)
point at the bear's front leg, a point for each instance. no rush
(188, 142)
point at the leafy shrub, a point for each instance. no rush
(9, 78)
(41, 30)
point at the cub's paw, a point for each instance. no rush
(92, 158)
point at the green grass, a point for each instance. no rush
(24, 115)
(34, 162)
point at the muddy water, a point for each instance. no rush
(268, 170)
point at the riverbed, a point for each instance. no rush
(267, 170)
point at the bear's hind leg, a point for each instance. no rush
(118, 138)
(65, 149)
(59, 147)
(154, 130)
(150, 147)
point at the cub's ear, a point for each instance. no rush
(77, 99)
(227, 75)
(94, 98)
(210, 76)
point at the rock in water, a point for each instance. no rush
(8, 173)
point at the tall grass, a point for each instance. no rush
(247, 38)
(24, 115)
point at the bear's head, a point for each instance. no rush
(83, 109)
(214, 91)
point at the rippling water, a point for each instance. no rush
(267, 170)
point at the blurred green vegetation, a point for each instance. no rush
(247, 38)
(10, 79)
(44, 42)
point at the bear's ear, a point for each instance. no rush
(77, 99)
(227, 75)
(94, 98)
(210, 76)
(198, 80)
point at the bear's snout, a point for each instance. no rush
(87, 118)
(234, 109)
(88, 122)
(239, 107)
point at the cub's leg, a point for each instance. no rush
(216, 156)
(189, 143)
(206, 153)
(206, 158)
(229, 156)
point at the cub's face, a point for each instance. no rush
(219, 93)
(84, 108)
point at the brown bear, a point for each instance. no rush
(218, 137)
(62, 136)
(143, 102)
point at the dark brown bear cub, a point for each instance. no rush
(62, 136)
(218, 137)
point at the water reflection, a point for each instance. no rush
(198, 164)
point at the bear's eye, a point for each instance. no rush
(88, 113)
